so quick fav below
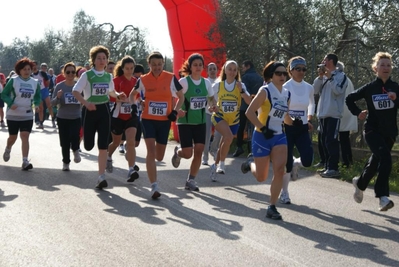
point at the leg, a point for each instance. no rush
(278, 162)
(150, 159)
(205, 157)
(332, 144)
(25, 143)
(240, 134)
(64, 135)
(130, 144)
(227, 138)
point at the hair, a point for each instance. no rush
(121, 64)
(222, 75)
(299, 58)
(212, 64)
(69, 64)
(11, 74)
(185, 69)
(96, 50)
(22, 63)
(154, 54)
(110, 62)
(333, 57)
(378, 56)
(340, 66)
(78, 68)
(269, 69)
(249, 63)
(139, 68)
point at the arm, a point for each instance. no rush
(339, 82)
(46, 80)
(317, 84)
(37, 98)
(136, 90)
(254, 106)
(56, 96)
(8, 93)
(244, 93)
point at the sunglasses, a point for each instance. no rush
(69, 72)
(280, 73)
(300, 69)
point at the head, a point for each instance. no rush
(246, 65)
(69, 71)
(99, 56)
(212, 70)
(34, 67)
(382, 65)
(110, 67)
(156, 62)
(51, 71)
(80, 70)
(24, 67)
(297, 68)
(330, 61)
(275, 72)
(193, 65)
(43, 67)
(340, 66)
(138, 71)
(87, 65)
(230, 71)
(125, 67)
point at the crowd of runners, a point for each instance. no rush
(119, 103)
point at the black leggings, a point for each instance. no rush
(99, 121)
(68, 131)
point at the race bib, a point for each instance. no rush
(382, 102)
(26, 92)
(296, 113)
(278, 110)
(229, 106)
(70, 99)
(100, 89)
(126, 108)
(197, 103)
(157, 108)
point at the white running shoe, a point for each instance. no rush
(285, 198)
(6, 155)
(385, 204)
(155, 191)
(109, 168)
(101, 182)
(295, 167)
(76, 156)
(213, 174)
(220, 170)
(65, 166)
(358, 195)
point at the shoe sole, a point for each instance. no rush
(156, 195)
(65, 170)
(175, 158)
(285, 202)
(274, 217)
(102, 184)
(133, 177)
(330, 176)
(387, 206)
(28, 167)
(244, 168)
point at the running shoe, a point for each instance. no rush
(176, 158)
(109, 167)
(272, 213)
(6, 155)
(220, 170)
(136, 168)
(330, 174)
(54, 125)
(132, 176)
(101, 182)
(40, 126)
(26, 166)
(65, 166)
(76, 156)
(155, 192)
(295, 168)
(191, 185)
(213, 174)
(246, 165)
(121, 149)
(2, 124)
(385, 204)
(285, 198)
(358, 195)
(205, 162)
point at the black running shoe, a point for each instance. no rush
(272, 213)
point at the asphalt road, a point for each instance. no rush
(53, 218)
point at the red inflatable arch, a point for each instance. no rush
(189, 23)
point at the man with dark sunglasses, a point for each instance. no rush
(329, 112)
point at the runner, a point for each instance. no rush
(269, 142)
(159, 87)
(96, 86)
(230, 91)
(19, 93)
(124, 119)
(68, 116)
(192, 127)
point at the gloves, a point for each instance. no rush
(297, 122)
(269, 134)
(134, 111)
(173, 115)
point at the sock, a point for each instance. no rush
(221, 164)
(25, 159)
(298, 162)
(109, 158)
(101, 177)
(8, 150)
(131, 168)
(190, 177)
(154, 185)
(286, 180)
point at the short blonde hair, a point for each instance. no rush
(379, 56)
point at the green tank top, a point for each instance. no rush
(195, 102)
(99, 87)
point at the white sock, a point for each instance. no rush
(286, 180)
(221, 164)
(109, 158)
(298, 162)
(25, 159)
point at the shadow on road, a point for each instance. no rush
(4, 198)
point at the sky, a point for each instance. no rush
(148, 15)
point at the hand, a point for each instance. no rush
(90, 106)
(37, 109)
(181, 113)
(59, 94)
(239, 85)
(173, 115)
(362, 115)
(297, 122)
(310, 126)
(327, 73)
(392, 95)
(122, 96)
(134, 111)
(269, 134)
(13, 107)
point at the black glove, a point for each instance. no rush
(269, 134)
(173, 115)
(134, 111)
(297, 122)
